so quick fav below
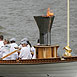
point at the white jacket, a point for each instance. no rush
(14, 55)
(25, 53)
(29, 49)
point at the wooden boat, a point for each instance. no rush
(47, 62)
(51, 67)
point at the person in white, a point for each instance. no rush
(6, 49)
(1, 44)
(28, 45)
(31, 48)
(33, 52)
(25, 51)
(13, 44)
(1, 41)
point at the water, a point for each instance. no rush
(16, 20)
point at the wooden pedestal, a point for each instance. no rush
(46, 51)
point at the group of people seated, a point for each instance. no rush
(26, 51)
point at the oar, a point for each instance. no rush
(10, 54)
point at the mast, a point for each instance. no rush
(68, 22)
(67, 48)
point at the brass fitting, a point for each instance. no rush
(68, 51)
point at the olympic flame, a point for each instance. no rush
(49, 13)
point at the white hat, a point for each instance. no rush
(24, 39)
(24, 42)
(13, 39)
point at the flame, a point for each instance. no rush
(49, 13)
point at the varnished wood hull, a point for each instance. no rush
(51, 69)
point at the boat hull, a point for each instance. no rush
(65, 69)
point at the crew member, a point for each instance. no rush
(31, 48)
(1, 41)
(28, 45)
(1, 44)
(33, 52)
(13, 44)
(25, 51)
(6, 49)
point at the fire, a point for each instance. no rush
(49, 13)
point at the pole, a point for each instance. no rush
(67, 48)
(68, 24)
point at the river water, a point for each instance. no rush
(16, 20)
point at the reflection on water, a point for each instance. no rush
(16, 20)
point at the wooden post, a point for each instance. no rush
(55, 52)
